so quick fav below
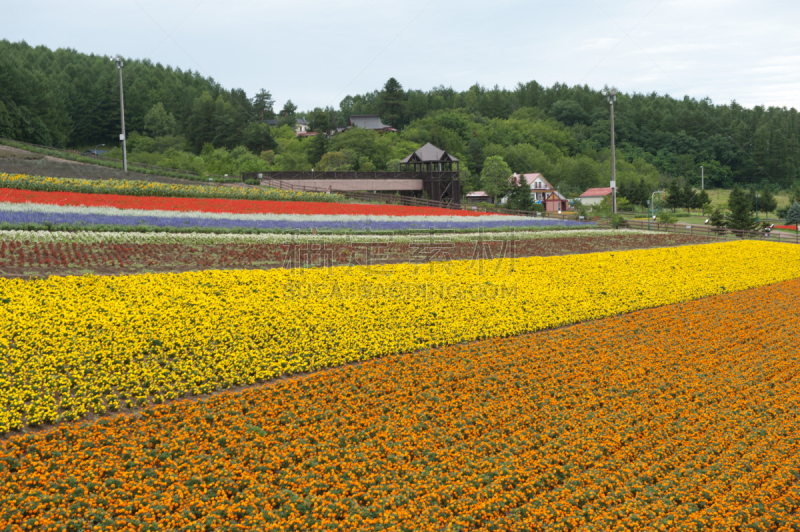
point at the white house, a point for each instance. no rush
(539, 185)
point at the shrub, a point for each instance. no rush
(665, 217)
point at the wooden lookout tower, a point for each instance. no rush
(439, 172)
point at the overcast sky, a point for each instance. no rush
(316, 52)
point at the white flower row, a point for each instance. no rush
(138, 213)
(89, 237)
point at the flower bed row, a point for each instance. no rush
(40, 253)
(78, 344)
(22, 213)
(660, 420)
(215, 205)
(149, 188)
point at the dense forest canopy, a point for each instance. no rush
(181, 119)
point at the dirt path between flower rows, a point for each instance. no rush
(31, 155)
(537, 248)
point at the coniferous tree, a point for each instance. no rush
(702, 200)
(392, 103)
(642, 193)
(318, 148)
(740, 216)
(262, 105)
(688, 197)
(717, 218)
(674, 198)
(258, 138)
(476, 156)
(288, 115)
(767, 202)
(625, 190)
(519, 198)
(793, 214)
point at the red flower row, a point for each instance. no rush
(234, 206)
(792, 227)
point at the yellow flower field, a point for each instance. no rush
(77, 344)
(152, 188)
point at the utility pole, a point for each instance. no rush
(118, 60)
(702, 179)
(612, 97)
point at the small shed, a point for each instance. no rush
(554, 201)
(594, 196)
(479, 196)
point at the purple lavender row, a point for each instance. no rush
(102, 219)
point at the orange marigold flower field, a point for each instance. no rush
(682, 417)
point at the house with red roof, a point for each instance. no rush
(594, 196)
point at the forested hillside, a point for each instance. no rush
(183, 120)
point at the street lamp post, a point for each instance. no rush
(95, 149)
(611, 94)
(702, 179)
(118, 60)
(653, 206)
(756, 206)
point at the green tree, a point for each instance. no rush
(158, 122)
(393, 166)
(674, 198)
(365, 165)
(258, 138)
(225, 124)
(392, 103)
(288, 115)
(581, 173)
(337, 161)
(475, 156)
(519, 198)
(317, 148)
(793, 214)
(262, 105)
(643, 193)
(794, 193)
(767, 202)
(495, 177)
(319, 120)
(569, 112)
(199, 130)
(717, 218)
(703, 201)
(740, 216)
(689, 197)
(292, 162)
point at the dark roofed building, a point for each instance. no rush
(441, 182)
(429, 158)
(372, 122)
